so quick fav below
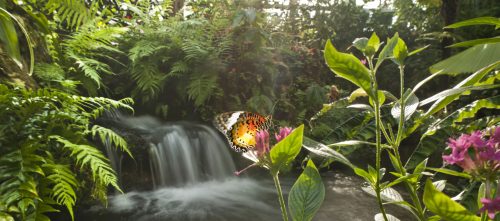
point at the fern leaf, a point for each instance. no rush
(64, 185)
(73, 12)
(88, 156)
(106, 134)
(201, 88)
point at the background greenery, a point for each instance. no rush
(190, 60)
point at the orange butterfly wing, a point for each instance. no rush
(241, 128)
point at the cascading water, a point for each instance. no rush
(187, 154)
(192, 174)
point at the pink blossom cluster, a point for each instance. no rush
(474, 153)
(478, 156)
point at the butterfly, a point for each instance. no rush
(241, 127)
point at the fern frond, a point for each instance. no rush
(114, 139)
(149, 81)
(49, 72)
(201, 88)
(179, 68)
(64, 185)
(143, 48)
(73, 12)
(86, 155)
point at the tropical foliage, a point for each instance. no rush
(49, 153)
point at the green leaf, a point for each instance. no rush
(442, 205)
(284, 152)
(326, 152)
(419, 169)
(475, 42)
(307, 194)
(348, 67)
(476, 21)
(373, 45)
(418, 50)
(360, 43)
(8, 36)
(469, 81)
(388, 50)
(450, 172)
(400, 52)
(468, 61)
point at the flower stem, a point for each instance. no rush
(280, 197)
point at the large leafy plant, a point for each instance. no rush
(405, 110)
(48, 154)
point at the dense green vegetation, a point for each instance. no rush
(63, 63)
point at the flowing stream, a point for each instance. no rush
(191, 171)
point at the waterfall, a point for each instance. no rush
(191, 172)
(184, 154)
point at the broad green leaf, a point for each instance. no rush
(373, 45)
(360, 92)
(8, 35)
(468, 61)
(450, 172)
(360, 43)
(307, 194)
(476, 21)
(326, 152)
(442, 205)
(387, 50)
(469, 81)
(284, 152)
(380, 217)
(348, 67)
(475, 42)
(400, 52)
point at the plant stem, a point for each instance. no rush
(399, 138)
(280, 197)
(378, 139)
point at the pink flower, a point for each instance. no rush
(284, 131)
(491, 205)
(476, 140)
(475, 154)
(262, 142)
(363, 61)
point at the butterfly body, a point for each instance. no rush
(241, 127)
